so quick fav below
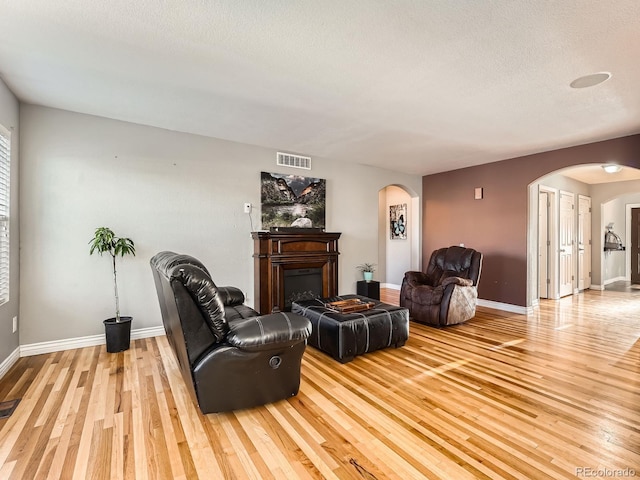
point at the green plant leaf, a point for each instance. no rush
(367, 267)
(124, 246)
(102, 241)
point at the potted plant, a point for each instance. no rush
(118, 328)
(367, 270)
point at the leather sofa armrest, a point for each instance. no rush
(231, 296)
(267, 332)
(464, 282)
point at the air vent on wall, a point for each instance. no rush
(295, 161)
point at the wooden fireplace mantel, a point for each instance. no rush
(276, 252)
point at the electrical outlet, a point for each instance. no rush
(247, 208)
(15, 324)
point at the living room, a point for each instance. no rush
(76, 169)
(154, 185)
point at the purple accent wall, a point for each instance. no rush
(497, 224)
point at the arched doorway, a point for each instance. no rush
(608, 197)
(402, 252)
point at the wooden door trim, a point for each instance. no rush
(627, 259)
(554, 273)
(588, 244)
(572, 245)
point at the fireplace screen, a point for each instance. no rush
(301, 284)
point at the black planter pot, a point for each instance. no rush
(118, 334)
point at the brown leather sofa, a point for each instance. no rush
(230, 357)
(446, 294)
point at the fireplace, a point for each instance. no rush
(301, 284)
(293, 265)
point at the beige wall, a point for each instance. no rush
(613, 263)
(9, 118)
(498, 224)
(165, 190)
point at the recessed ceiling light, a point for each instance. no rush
(590, 80)
(611, 168)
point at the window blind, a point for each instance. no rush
(5, 163)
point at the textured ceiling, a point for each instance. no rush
(418, 86)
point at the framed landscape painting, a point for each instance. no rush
(292, 201)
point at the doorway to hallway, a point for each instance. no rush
(635, 246)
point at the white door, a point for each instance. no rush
(584, 242)
(565, 260)
(543, 244)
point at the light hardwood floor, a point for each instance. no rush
(552, 395)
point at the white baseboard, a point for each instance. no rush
(507, 307)
(392, 286)
(147, 332)
(616, 279)
(596, 287)
(9, 362)
(81, 342)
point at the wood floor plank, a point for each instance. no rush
(502, 396)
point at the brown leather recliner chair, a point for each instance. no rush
(230, 356)
(447, 293)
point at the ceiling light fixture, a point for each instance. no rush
(590, 80)
(611, 168)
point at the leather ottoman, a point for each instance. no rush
(345, 335)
